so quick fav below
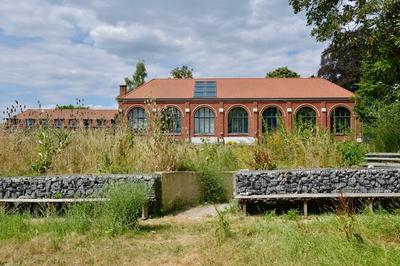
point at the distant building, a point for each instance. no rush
(64, 118)
(241, 109)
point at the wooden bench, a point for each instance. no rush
(145, 209)
(380, 159)
(244, 200)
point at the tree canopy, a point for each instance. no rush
(183, 72)
(282, 72)
(341, 61)
(138, 78)
(378, 22)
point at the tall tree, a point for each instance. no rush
(282, 72)
(378, 93)
(341, 61)
(379, 23)
(138, 78)
(183, 72)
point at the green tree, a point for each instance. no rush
(341, 60)
(183, 72)
(378, 93)
(380, 79)
(138, 78)
(282, 72)
(328, 18)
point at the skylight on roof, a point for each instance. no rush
(205, 89)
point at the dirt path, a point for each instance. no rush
(200, 212)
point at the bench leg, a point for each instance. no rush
(371, 204)
(145, 211)
(243, 206)
(305, 208)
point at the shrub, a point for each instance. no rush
(262, 158)
(383, 133)
(302, 147)
(352, 153)
(124, 205)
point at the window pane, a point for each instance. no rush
(306, 117)
(137, 119)
(340, 120)
(205, 89)
(204, 121)
(238, 121)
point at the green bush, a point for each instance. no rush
(383, 133)
(352, 153)
(124, 205)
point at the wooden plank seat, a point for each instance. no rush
(145, 209)
(382, 159)
(243, 200)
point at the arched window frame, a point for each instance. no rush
(340, 120)
(238, 121)
(309, 120)
(204, 121)
(137, 119)
(271, 122)
(172, 120)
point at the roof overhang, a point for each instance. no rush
(325, 99)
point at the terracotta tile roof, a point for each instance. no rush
(67, 114)
(258, 88)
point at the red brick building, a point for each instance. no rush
(64, 118)
(241, 109)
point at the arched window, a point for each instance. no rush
(306, 116)
(238, 121)
(271, 117)
(137, 119)
(204, 121)
(171, 119)
(340, 120)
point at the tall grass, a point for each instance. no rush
(124, 205)
(305, 148)
(119, 150)
(118, 214)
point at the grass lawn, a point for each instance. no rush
(230, 239)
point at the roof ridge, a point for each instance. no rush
(203, 78)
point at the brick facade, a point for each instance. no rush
(255, 108)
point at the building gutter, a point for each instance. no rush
(142, 100)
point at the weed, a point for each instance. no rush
(124, 205)
(292, 215)
(223, 228)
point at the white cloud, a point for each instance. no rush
(56, 51)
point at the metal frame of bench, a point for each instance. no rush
(382, 159)
(145, 209)
(243, 199)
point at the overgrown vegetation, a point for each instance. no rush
(364, 56)
(118, 214)
(119, 150)
(124, 205)
(78, 238)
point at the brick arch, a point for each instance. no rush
(236, 106)
(272, 105)
(249, 118)
(204, 105)
(261, 117)
(339, 105)
(173, 106)
(329, 117)
(307, 105)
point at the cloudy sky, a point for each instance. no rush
(58, 50)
